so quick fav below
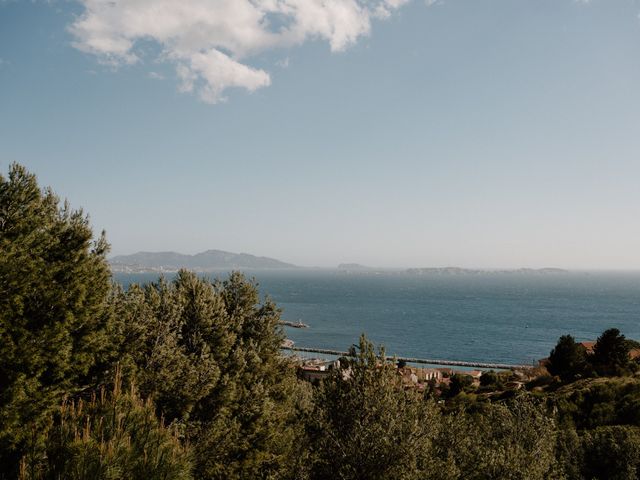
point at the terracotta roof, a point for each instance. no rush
(588, 346)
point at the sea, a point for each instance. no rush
(512, 318)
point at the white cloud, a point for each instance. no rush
(217, 72)
(384, 9)
(211, 42)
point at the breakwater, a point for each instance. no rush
(451, 363)
(297, 324)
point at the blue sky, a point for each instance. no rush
(477, 133)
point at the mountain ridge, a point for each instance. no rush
(169, 261)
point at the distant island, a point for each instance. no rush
(200, 262)
(353, 267)
(358, 269)
(470, 271)
(210, 260)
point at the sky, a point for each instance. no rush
(392, 133)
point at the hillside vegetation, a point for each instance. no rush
(185, 380)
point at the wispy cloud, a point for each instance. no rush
(284, 63)
(212, 42)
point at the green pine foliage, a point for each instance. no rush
(208, 353)
(611, 353)
(215, 399)
(114, 435)
(568, 359)
(172, 343)
(54, 284)
(592, 403)
(365, 425)
(611, 453)
(599, 422)
(459, 384)
(506, 440)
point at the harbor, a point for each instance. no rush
(451, 363)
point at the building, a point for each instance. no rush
(317, 369)
(418, 377)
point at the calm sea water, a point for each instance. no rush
(502, 318)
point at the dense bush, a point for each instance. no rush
(365, 425)
(114, 435)
(611, 453)
(508, 440)
(599, 402)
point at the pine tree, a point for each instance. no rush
(611, 353)
(366, 425)
(113, 435)
(250, 424)
(209, 354)
(567, 359)
(54, 284)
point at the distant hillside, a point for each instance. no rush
(202, 262)
(469, 271)
(353, 267)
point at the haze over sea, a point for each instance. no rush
(499, 318)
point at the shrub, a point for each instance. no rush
(611, 453)
(365, 425)
(507, 440)
(114, 435)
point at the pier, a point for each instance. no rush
(450, 363)
(297, 324)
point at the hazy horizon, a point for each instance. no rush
(390, 133)
(335, 265)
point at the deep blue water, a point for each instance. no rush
(502, 318)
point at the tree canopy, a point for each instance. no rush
(365, 425)
(568, 359)
(202, 391)
(54, 284)
(208, 353)
(611, 353)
